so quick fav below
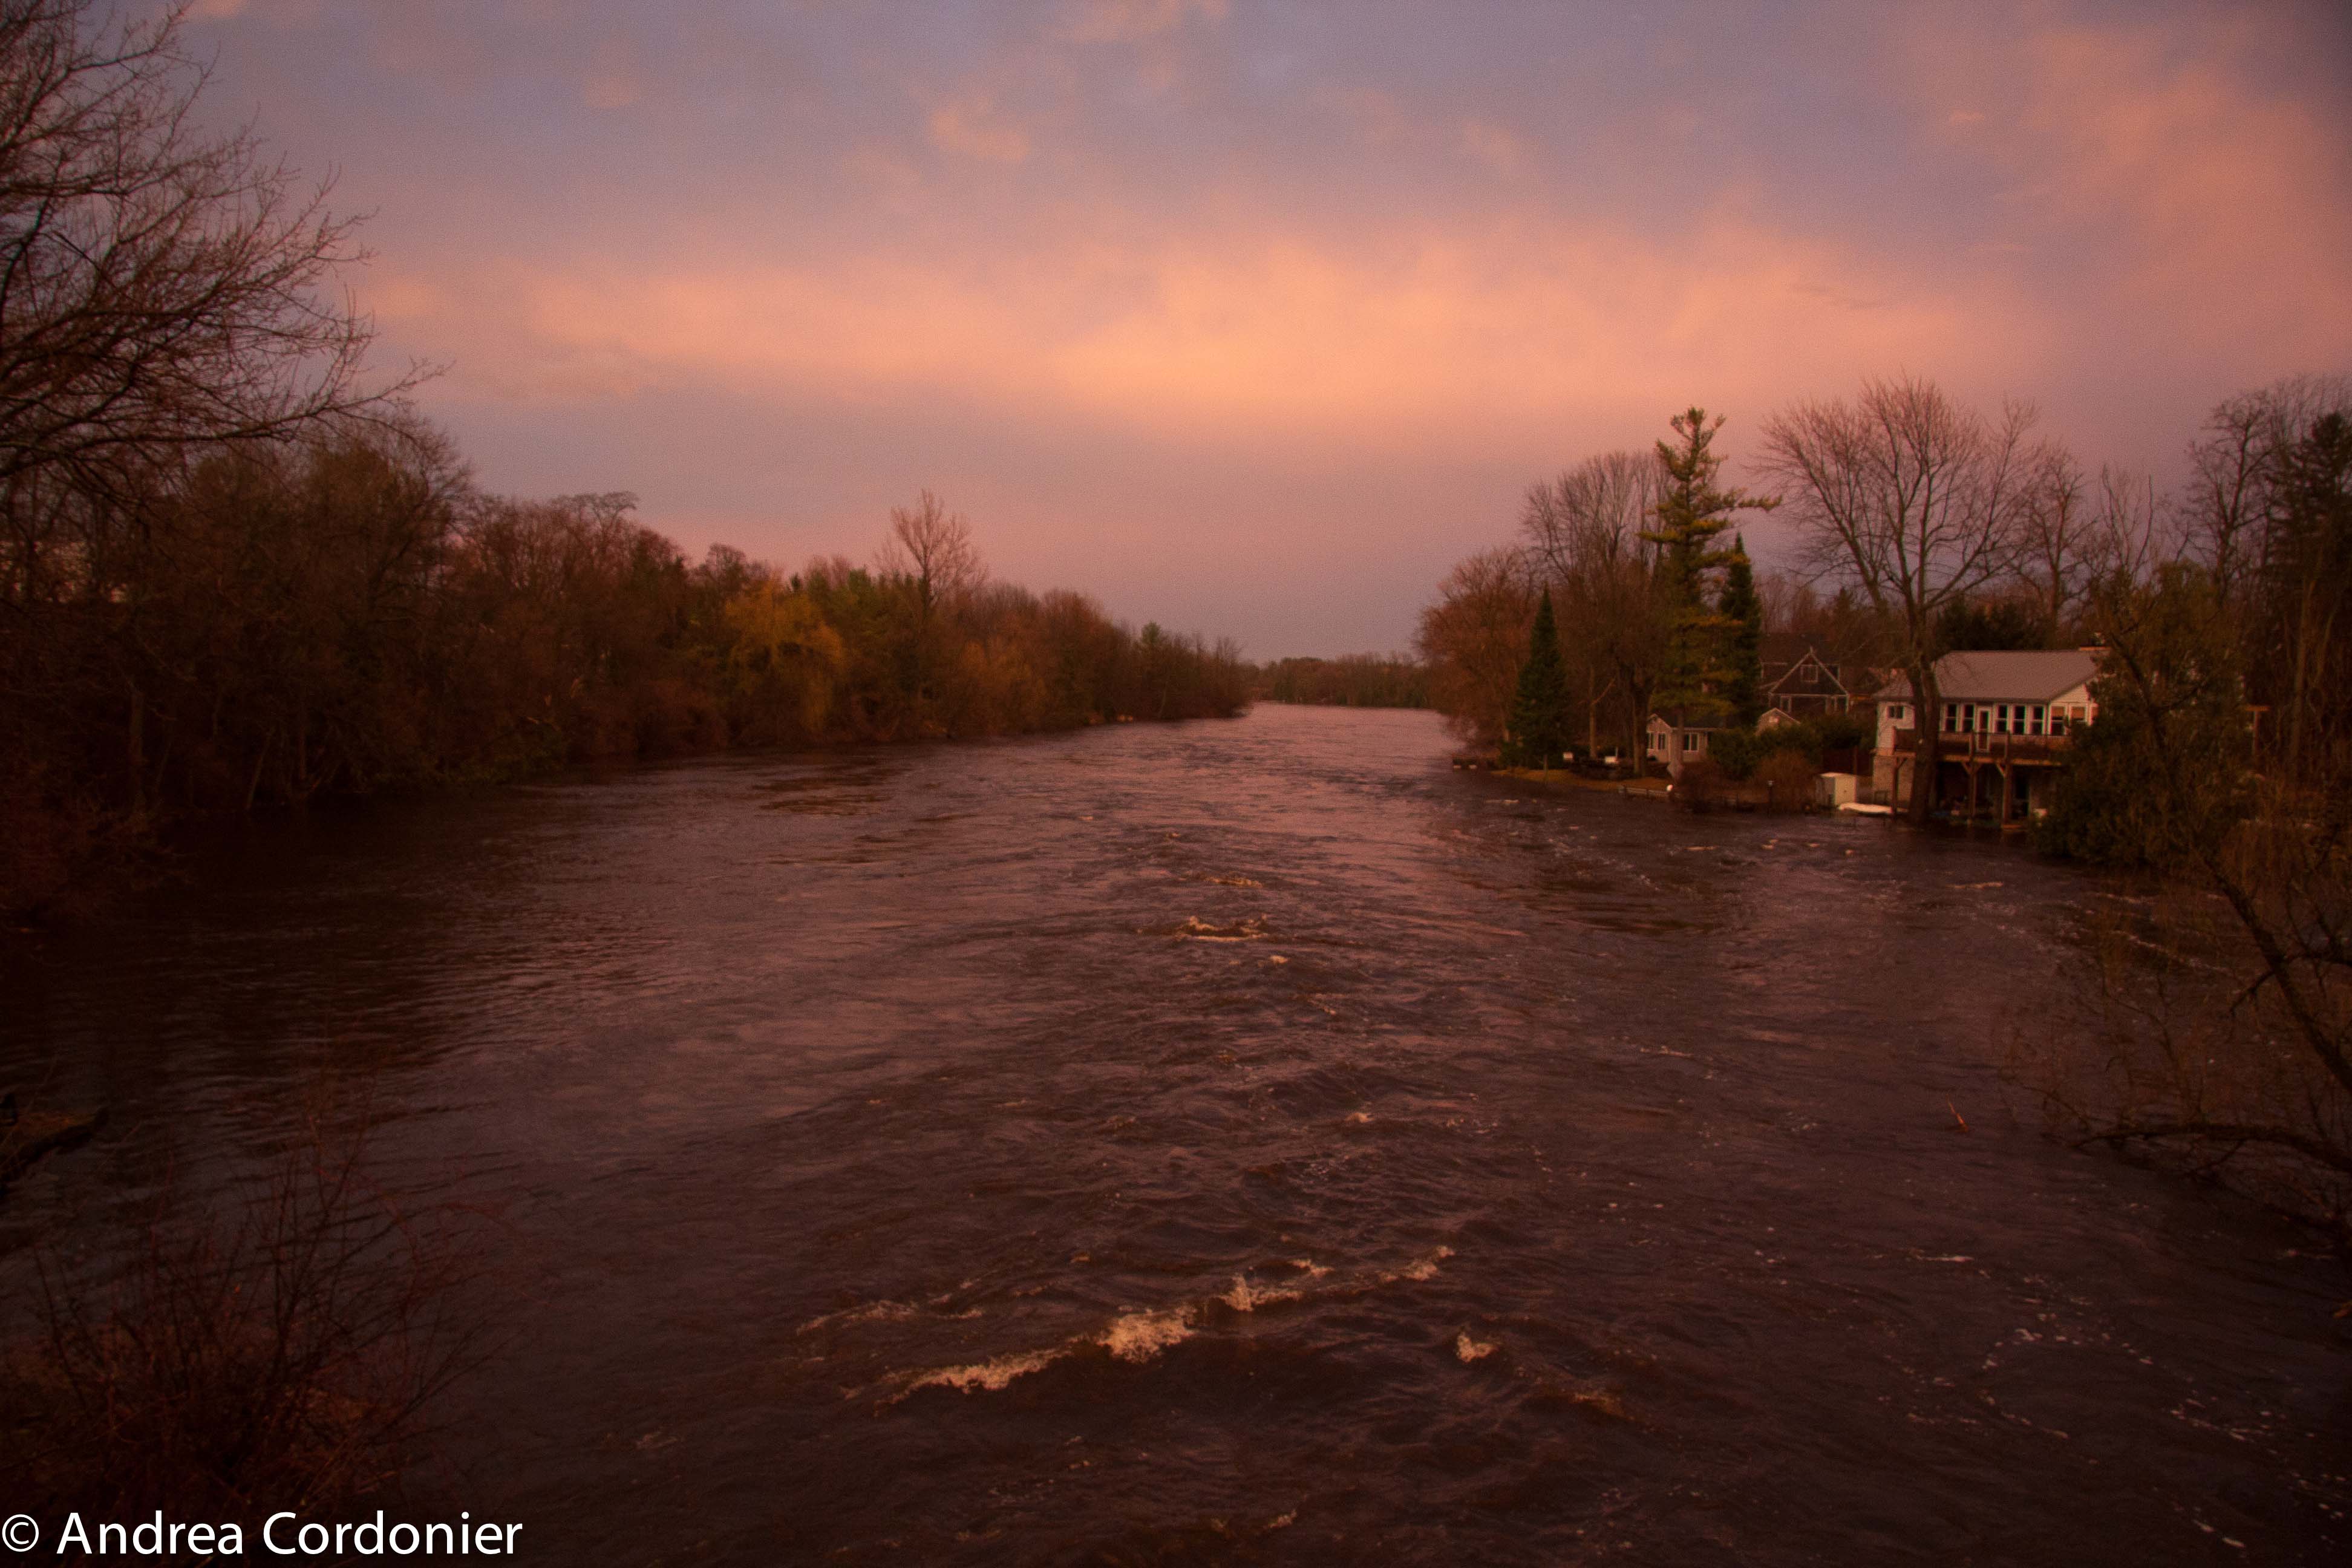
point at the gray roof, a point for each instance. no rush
(1690, 719)
(2010, 676)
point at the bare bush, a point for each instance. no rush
(283, 1347)
(2163, 1045)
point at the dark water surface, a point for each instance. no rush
(1243, 1141)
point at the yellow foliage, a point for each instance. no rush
(784, 651)
(999, 687)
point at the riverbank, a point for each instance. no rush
(1562, 779)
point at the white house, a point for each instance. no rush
(1676, 737)
(2008, 713)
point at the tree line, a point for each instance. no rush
(1920, 528)
(235, 572)
(1352, 680)
(2216, 1003)
(343, 612)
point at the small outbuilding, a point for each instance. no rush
(1677, 737)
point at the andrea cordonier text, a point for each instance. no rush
(291, 1535)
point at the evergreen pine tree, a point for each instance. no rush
(1692, 514)
(1538, 727)
(1742, 614)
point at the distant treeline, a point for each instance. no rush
(342, 612)
(1352, 681)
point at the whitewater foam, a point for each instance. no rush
(988, 1377)
(1245, 1297)
(1140, 1337)
(1419, 1269)
(870, 1311)
(1195, 928)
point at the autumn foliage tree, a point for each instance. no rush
(1474, 638)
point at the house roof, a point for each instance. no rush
(1690, 719)
(2036, 676)
(1811, 680)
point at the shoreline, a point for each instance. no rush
(1560, 778)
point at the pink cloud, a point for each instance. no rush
(1441, 336)
(973, 127)
(2215, 197)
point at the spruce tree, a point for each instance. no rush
(1538, 727)
(1742, 614)
(1692, 514)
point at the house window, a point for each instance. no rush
(2037, 719)
(1894, 712)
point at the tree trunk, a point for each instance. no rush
(136, 751)
(1639, 734)
(1927, 720)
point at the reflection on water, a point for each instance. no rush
(1232, 1141)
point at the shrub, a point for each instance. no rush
(1735, 752)
(1739, 753)
(281, 1350)
(1842, 731)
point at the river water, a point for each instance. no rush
(1234, 1141)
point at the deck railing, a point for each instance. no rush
(1977, 745)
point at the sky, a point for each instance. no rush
(1253, 316)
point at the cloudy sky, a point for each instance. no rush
(1252, 315)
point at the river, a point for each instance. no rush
(1231, 1142)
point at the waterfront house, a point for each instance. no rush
(1803, 680)
(1679, 736)
(2002, 724)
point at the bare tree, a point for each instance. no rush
(2133, 532)
(2234, 493)
(2056, 530)
(1599, 505)
(160, 289)
(1584, 536)
(933, 548)
(1914, 500)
